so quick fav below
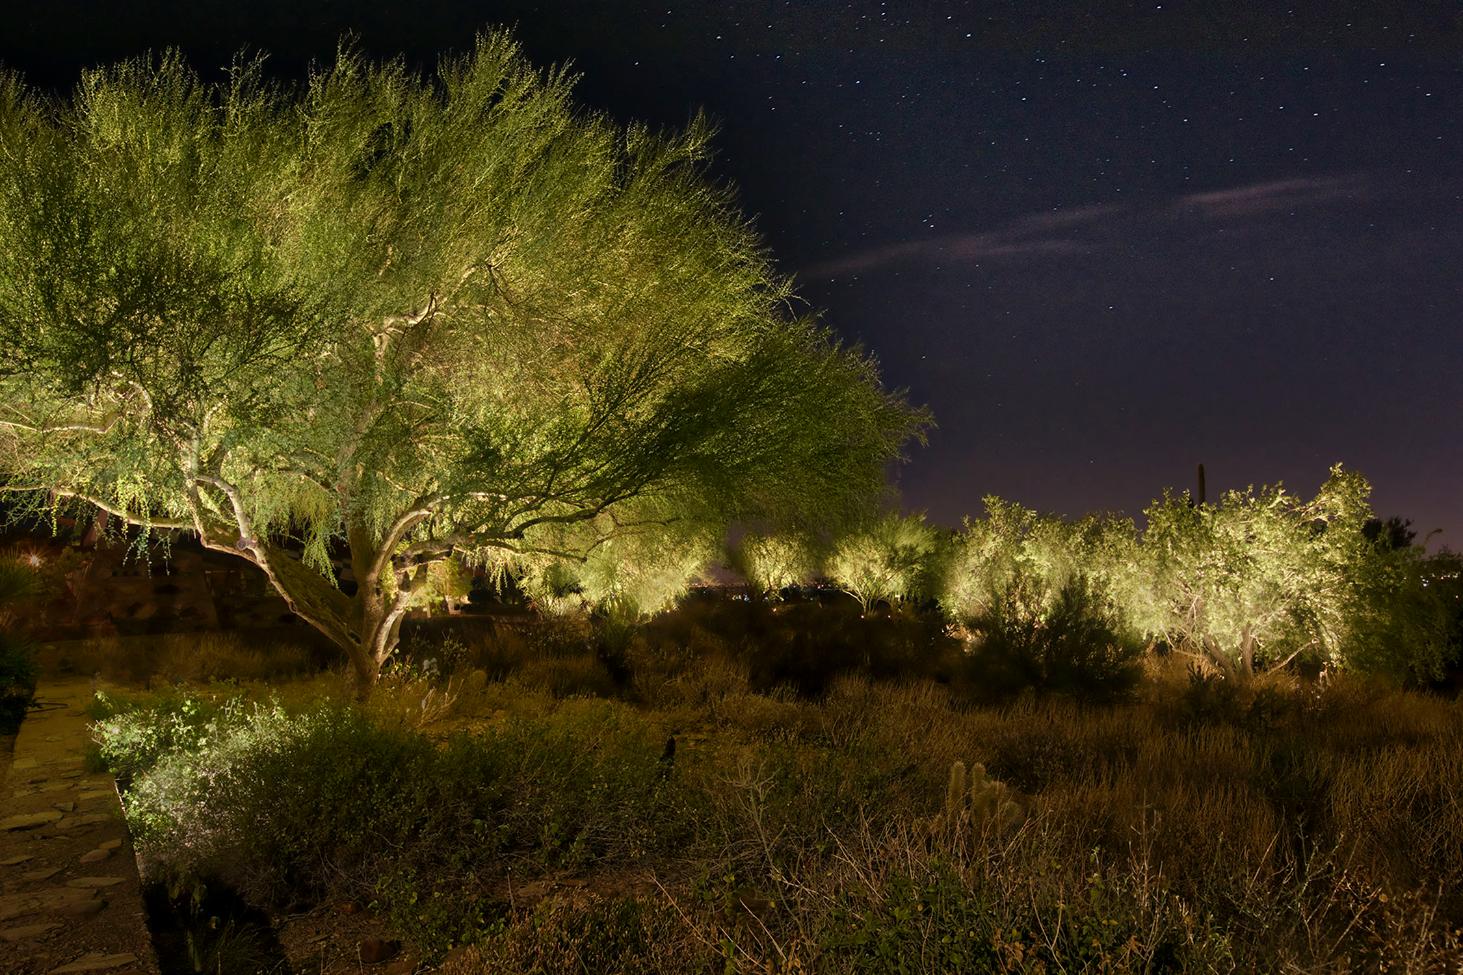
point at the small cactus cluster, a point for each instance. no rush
(976, 798)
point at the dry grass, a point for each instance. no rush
(1286, 826)
(188, 657)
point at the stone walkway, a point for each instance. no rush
(70, 900)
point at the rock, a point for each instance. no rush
(45, 873)
(97, 794)
(76, 822)
(83, 908)
(29, 820)
(375, 950)
(109, 845)
(94, 882)
(27, 932)
(55, 900)
(93, 856)
(65, 807)
(94, 962)
(16, 861)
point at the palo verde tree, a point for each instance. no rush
(402, 318)
(772, 563)
(629, 576)
(889, 559)
(1016, 548)
(1262, 576)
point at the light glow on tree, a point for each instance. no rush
(407, 319)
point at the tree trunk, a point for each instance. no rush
(1247, 654)
(379, 630)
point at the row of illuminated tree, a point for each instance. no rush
(1251, 582)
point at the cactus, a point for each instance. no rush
(974, 797)
(955, 795)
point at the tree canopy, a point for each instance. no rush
(1263, 576)
(409, 317)
(890, 559)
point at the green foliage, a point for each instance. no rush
(132, 736)
(412, 316)
(1069, 643)
(772, 563)
(409, 821)
(629, 576)
(888, 560)
(988, 555)
(922, 924)
(1407, 623)
(1263, 576)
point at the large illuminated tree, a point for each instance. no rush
(1263, 576)
(408, 317)
(1039, 555)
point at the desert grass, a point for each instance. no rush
(1284, 826)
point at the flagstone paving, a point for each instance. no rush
(70, 899)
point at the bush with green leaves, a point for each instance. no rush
(133, 734)
(287, 807)
(1407, 622)
(986, 556)
(630, 577)
(1262, 577)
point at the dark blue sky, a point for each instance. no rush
(1102, 247)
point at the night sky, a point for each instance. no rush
(1101, 247)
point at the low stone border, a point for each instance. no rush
(70, 897)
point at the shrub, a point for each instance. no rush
(133, 735)
(17, 664)
(1076, 646)
(800, 644)
(288, 807)
(17, 681)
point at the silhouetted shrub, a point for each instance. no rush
(17, 681)
(806, 645)
(17, 664)
(1071, 644)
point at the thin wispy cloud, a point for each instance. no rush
(1083, 229)
(1036, 233)
(1257, 199)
